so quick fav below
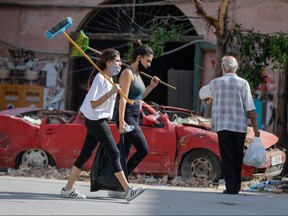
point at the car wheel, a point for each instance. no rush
(35, 158)
(201, 164)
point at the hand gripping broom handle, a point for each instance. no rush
(95, 65)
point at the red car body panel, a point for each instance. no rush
(68, 141)
(15, 134)
(62, 139)
(198, 139)
(161, 157)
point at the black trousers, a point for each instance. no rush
(231, 146)
(99, 131)
(134, 138)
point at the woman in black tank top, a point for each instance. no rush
(132, 85)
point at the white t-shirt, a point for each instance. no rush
(100, 87)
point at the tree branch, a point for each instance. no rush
(222, 14)
(219, 24)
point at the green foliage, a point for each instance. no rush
(128, 54)
(257, 51)
(159, 36)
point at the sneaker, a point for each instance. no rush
(116, 194)
(72, 193)
(134, 192)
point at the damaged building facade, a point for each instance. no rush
(37, 71)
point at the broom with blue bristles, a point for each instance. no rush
(60, 28)
(82, 40)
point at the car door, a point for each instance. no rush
(62, 140)
(162, 142)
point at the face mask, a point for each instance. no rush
(142, 68)
(115, 70)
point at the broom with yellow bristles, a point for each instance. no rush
(82, 40)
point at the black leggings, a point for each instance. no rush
(99, 131)
(134, 138)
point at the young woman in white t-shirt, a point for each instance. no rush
(98, 107)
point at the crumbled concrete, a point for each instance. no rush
(257, 184)
(62, 174)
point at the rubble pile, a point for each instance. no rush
(273, 185)
(258, 184)
(177, 181)
(50, 172)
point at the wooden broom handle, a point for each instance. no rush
(147, 75)
(163, 83)
(93, 63)
(93, 50)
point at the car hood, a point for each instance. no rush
(268, 139)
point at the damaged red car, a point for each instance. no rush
(181, 142)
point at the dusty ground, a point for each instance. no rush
(275, 185)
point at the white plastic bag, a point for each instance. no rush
(255, 154)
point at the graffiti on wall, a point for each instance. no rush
(27, 81)
(19, 55)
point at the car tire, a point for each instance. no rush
(34, 157)
(201, 163)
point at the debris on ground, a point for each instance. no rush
(273, 185)
(50, 172)
(277, 185)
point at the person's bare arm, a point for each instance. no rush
(125, 80)
(100, 101)
(153, 83)
(252, 117)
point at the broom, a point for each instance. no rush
(60, 28)
(83, 41)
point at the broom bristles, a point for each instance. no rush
(59, 28)
(82, 41)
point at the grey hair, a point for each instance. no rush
(229, 64)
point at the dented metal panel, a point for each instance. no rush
(174, 135)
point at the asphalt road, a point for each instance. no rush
(37, 196)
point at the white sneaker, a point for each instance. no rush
(116, 194)
(72, 193)
(134, 192)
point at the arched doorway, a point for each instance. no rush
(116, 24)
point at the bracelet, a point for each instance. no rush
(106, 96)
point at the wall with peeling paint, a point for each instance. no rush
(24, 22)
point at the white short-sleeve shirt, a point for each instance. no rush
(100, 87)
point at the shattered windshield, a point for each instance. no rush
(36, 116)
(192, 120)
(184, 117)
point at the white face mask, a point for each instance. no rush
(115, 70)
